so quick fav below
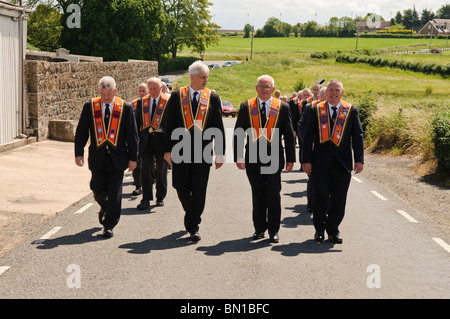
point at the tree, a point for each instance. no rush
(411, 19)
(44, 28)
(247, 30)
(398, 18)
(309, 29)
(113, 29)
(443, 12)
(188, 23)
(425, 16)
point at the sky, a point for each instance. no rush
(235, 14)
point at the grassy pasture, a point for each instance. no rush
(239, 48)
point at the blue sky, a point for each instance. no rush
(234, 14)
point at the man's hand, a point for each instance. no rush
(131, 165)
(307, 168)
(79, 160)
(289, 167)
(358, 167)
(219, 161)
(240, 163)
(168, 158)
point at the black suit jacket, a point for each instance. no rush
(284, 126)
(321, 155)
(175, 120)
(144, 135)
(126, 149)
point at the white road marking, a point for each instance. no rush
(47, 236)
(378, 195)
(82, 209)
(3, 269)
(443, 244)
(357, 179)
(407, 216)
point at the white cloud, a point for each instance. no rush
(234, 14)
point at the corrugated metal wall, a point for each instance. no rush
(10, 88)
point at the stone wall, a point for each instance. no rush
(58, 90)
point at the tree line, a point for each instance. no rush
(118, 30)
(346, 26)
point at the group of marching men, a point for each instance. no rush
(162, 130)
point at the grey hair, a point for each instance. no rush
(198, 66)
(265, 76)
(107, 83)
(336, 81)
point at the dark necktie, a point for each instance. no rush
(153, 108)
(107, 114)
(263, 114)
(333, 116)
(195, 103)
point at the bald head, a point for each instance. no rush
(154, 87)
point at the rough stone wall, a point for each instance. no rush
(58, 90)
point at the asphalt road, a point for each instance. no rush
(385, 253)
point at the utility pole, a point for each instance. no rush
(251, 50)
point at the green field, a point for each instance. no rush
(240, 47)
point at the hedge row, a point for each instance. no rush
(427, 68)
(400, 36)
(167, 65)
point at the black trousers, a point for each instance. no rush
(266, 200)
(150, 172)
(191, 181)
(106, 184)
(330, 197)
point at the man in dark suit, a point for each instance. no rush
(109, 122)
(150, 120)
(332, 133)
(194, 121)
(264, 121)
(301, 126)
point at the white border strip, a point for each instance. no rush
(378, 195)
(47, 236)
(407, 216)
(3, 269)
(83, 209)
(443, 244)
(357, 179)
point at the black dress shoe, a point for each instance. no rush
(258, 236)
(143, 205)
(159, 202)
(195, 236)
(274, 238)
(319, 236)
(101, 215)
(137, 191)
(335, 239)
(107, 233)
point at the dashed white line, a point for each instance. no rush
(357, 179)
(378, 195)
(407, 216)
(443, 244)
(84, 208)
(47, 236)
(3, 269)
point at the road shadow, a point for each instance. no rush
(302, 218)
(171, 241)
(296, 194)
(83, 237)
(233, 246)
(134, 211)
(309, 246)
